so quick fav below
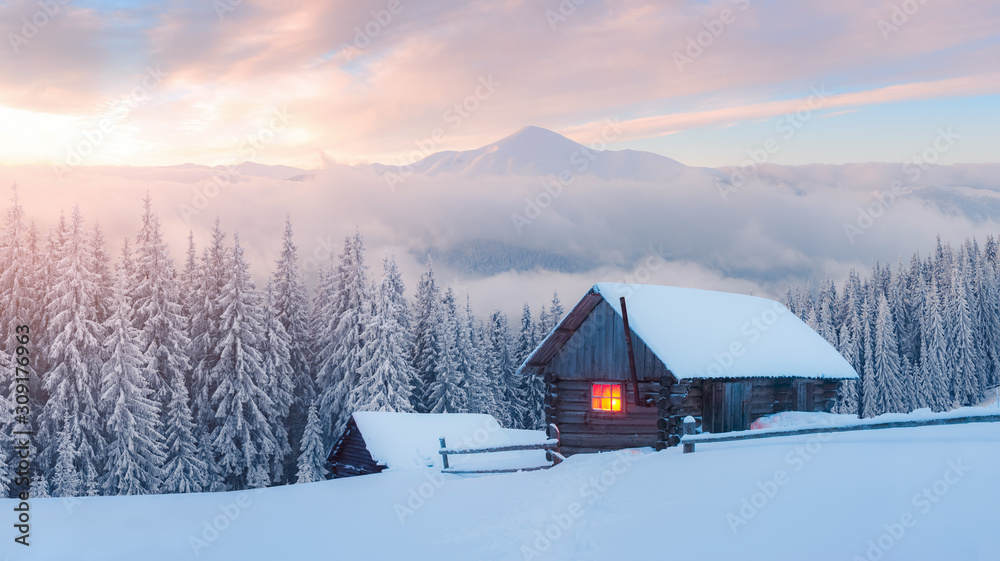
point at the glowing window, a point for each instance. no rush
(606, 397)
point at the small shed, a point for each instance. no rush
(375, 441)
(725, 359)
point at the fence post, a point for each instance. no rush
(444, 453)
(552, 431)
(688, 429)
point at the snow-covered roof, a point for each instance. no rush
(709, 334)
(411, 440)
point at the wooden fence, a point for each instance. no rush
(551, 447)
(689, 440)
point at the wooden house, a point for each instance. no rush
(374, 441)
(725, 359)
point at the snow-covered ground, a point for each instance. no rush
(913, 493)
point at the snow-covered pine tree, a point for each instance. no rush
(556, 311)
(426, 344)
(102, 271)
(312, 459)
(386, 377)
(482, 398)
(135, 454)
(204, 328)
(850, 347)
(242, 440)
(345, 337)
(884, 392)
(933, 387)
(66, 479)
(280, 385)
(15, 293)
(447, 392)
(158, 309)
(73, 358)
(502, 372)
(963, 357)
(183, 470)
(291, 308)
(533, 386)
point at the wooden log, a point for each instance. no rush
(610, 442)
(632, 428)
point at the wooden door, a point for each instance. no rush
(727, 405)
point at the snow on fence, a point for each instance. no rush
(551, 447)
(690, 439)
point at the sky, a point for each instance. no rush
(307, 83)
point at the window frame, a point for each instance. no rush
(622, 391)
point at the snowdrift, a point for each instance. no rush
(917, 494)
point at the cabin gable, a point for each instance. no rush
(597, 350)
(350, 455)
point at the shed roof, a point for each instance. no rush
(708, 334)
(411, 440)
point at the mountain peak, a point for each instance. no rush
(535, 151)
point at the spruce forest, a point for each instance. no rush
(149, 377)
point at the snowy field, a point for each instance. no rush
(916, 493)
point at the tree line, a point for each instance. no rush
(147, 377)
(925, 335)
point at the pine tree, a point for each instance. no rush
(533, 386)
(385, 378)
(447, 391)
(482, 397)
(312, 459)
(884, 392)
(206, 308)
(280, 385)
(158, 308)
(73, 358)
(15, 293)
(963, 357)
(66, 481)
(290, 304)
(933, 387)
(502, 372)
(344, 338)
(426, 337)
(135, 454)
(184, 471)
(242, 440)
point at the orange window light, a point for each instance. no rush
(606, 397)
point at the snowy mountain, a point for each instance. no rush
(925, 493)
(534, 151)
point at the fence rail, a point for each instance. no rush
(689, 440)
(551, 447)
